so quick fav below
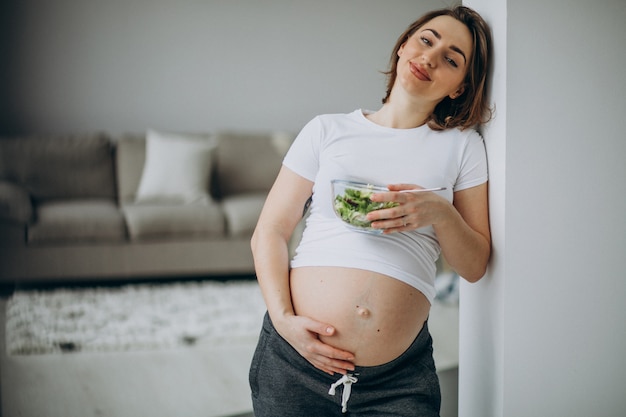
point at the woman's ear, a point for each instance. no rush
(401, 48)
(458, 92)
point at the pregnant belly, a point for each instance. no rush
(376, 317)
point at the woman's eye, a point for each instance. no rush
(425, 41)
(452, 62)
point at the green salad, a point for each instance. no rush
(354, 205)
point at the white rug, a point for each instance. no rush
(134, 317)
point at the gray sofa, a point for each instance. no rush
(93, 207)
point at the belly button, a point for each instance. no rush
(362, 311)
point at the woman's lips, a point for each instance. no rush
(419, 72)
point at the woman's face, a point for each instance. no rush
(434, 60)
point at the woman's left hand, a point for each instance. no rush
(462, 227)
(414, 210)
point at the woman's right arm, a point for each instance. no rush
(280, 215)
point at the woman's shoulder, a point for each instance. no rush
(338, 117)
(469, 134)
(332, 122)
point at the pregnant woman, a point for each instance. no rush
(346, 329)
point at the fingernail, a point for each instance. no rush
(329, 330)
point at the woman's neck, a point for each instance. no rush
(399, 115)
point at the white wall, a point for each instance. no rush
(5, 34)
(124, 65)
(543, 333)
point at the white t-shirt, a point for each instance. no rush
(351, 147)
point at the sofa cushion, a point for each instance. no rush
(77, 220)
(130, 155)
(242, 212)
(177, 168)
(15, 204)
(164, 220)
(58, 167)
(248, 162)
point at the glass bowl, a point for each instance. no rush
(351, 203)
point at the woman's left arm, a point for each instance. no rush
(464, 233)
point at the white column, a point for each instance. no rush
(542, 334)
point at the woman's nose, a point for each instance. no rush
(428, 58)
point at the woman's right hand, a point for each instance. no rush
(303, 334)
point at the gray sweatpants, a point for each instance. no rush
(284, 384)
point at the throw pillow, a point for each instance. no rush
(177, 168)
(15, 204)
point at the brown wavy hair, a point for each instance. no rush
(470, 108)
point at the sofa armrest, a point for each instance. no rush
(15, 203)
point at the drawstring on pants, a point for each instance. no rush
(347, 381)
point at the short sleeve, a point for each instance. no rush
(473, 168)
(303, 155)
